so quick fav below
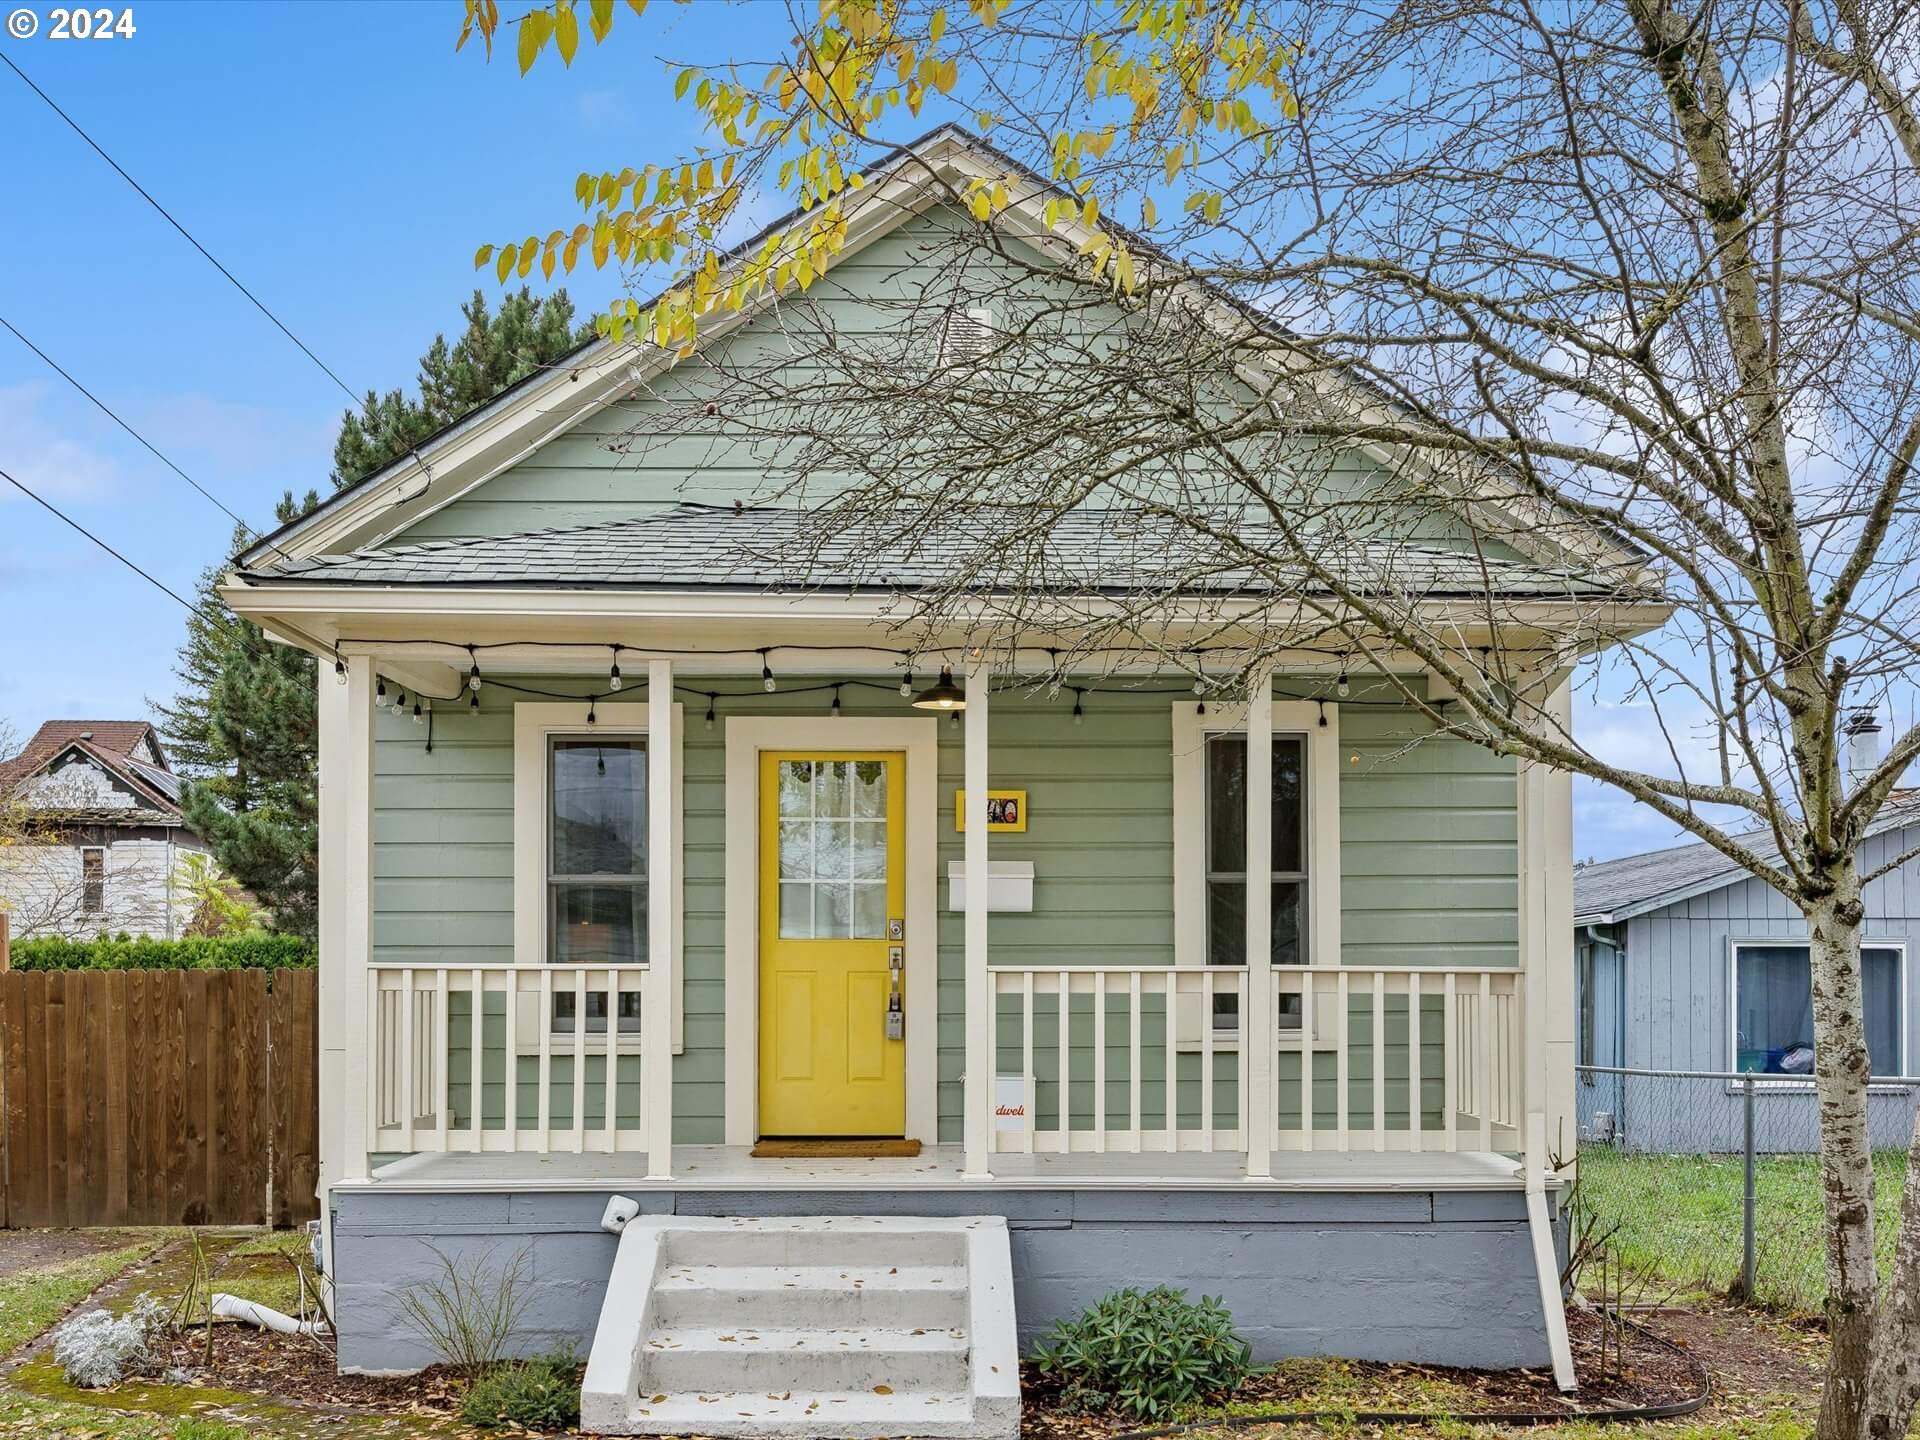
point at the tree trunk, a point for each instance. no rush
(1841, 1070)
(1893, 1382)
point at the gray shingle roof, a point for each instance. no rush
(1634, 884)
(1084, 552)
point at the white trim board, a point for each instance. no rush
(533, 722)
(746, 737)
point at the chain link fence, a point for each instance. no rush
(1695, 1181)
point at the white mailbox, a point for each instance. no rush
(1009, 885)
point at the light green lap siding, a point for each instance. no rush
(1427, 857)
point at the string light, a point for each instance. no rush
(766, 674)
(591, 716)
(836, 702)
(400, 703)
(380, 692)
(710, 700)
(1341, 687)
(473, 704)
(906, 681)
(1323, 713)
(416, 711)
(613, 678)
(473, 671)
(1079, 710)
(339, 670)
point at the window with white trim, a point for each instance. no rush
(596, 850)
(1227, 849)
(93, 880)
(1773, 1009)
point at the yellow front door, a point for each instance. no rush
(832, 908)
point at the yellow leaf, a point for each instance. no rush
(600, 19)
(639, 7)
(546, 263)
(1148, 214)
(680, 85)
(503, 263)
(566, 30)
(482, 255)
(937, 25)
(981, 206)
(1212, 208)
(536, 27)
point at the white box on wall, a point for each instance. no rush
(1009, 885)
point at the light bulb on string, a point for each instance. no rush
(591, 715)
(766, 674)
(836, 702)
(380, 692)
(473, 671)
(1079, 711)
(416, 712)
(473, 704)
(906, 682)
(709, 721)
(339, 670)
(400, 703)
(1341, 687)
(613, 676)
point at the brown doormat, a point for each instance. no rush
(836, 1149)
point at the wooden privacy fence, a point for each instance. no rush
(158, 1097)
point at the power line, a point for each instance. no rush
(108, 411)
(67, 519)
(356, 400)
(167, 215)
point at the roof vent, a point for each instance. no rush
(86, 734)
(966, 336)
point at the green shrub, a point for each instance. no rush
(541, 1394)
(199, 952)
(1151, 1353)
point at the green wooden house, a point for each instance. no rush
(668, 870)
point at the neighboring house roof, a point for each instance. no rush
(113, 745)
(1608, 891)
(547, 402)
(733, 547)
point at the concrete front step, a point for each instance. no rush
(815, 1326)
(803, 1360)
(896, 1296)
(856, 1414)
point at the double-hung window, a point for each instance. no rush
(596, 866)
(1226, 863)
(93, 880)
(1773, 1008)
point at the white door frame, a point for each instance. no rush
(747, 737)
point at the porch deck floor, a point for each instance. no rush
(732, 1167)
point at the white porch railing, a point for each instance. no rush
(1118, 1058)
(503, 1058)
(1127, 1058)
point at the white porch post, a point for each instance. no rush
(1256, 1025)
(345, 715)
(663, 882)
(978, 1087)
(1545, 850)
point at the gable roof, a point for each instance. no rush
(693, 546)
(110, 743)
(1606, 892)
(548, 402)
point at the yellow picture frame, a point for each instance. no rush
(997, 800)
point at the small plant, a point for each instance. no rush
(206, 1430)
(541, 1394)
(97, 1348)
(1151, 1353)
(468, 1312)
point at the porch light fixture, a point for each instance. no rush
(944, 696)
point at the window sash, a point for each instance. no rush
(1884, 1017)
(595, 888)
(1291, 834)
(93, 880)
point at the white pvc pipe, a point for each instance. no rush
(232, 1307)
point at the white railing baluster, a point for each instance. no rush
(613, 1056)
(1030, 1076)
(1379, 1059)
(1133, 1061)
(1341, 1026)
(1483, 1060)
(1416, 1120)
(545, 1077)
(1206, 1059)
(1100, 1059)
(513, 1059)
(1065, 1052)
(442, 1047)
(479, 982)
(579, 1086)
(405, 1066)
(1449, 1060)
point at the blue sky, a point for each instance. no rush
(344, 162)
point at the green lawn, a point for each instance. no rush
(1675, 1221)
(32, 1300)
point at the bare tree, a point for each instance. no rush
(1634, 278)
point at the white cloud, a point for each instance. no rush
(228, 435)
(45, 456)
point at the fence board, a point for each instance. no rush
(158, 1097)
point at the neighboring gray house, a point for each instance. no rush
(1685, 962)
